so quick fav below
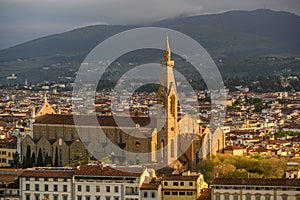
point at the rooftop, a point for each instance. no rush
(100, 170)
(48, 173)
(179, 177)
(89, 120)
(256, 181)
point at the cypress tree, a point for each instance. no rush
(28, 157)
(24, 162)
(33, 159)
(39, 161)
(15, 162)
(56, 158)
(48, 161)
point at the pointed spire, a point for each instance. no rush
(167, 50)
(45, 98)
(167, 43)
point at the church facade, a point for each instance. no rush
(167, 139)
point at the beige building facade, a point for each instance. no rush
(163, 139)
(186, 186)
(8, 149)
(255, 189)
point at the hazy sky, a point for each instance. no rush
(23, 20)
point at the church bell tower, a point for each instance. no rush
(167, 119)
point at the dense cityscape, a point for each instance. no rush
(144, 100)
(260, 129)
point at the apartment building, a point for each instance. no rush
(12, 191)
(151, 190)
(187, 186)
(8, 148)
(255, 189)
(47, 183)
(98, 182)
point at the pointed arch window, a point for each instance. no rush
(172, 105)
(162, 144)
(197, 157)
(172, 148)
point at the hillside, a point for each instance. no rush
(241, 42)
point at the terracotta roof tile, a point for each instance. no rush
(100, 170)
(10, 140)
(48, 173)
(88, 120)
(179, 177)
(150, 186)
(256, 181)
(205, 195)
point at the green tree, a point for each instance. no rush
(273, 167)
(39, 161)
(33, 159)
(48, 161)
(80, 159)
(56, 158)
(107, 159)
(224, 165)
(23, 162)
(206, 167)
(16, 160)
(257, 156)
(225, 169)
(239, 173)
(258, 104)
(28, 157)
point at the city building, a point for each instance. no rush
(96, 182)
(12, 191)
(151, 190)
(255, 189)
(51, 183)
(183, 186)
(8, 149)
(160, 139)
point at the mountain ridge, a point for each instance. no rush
(237, 41)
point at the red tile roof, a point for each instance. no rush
(89, 120)
(179, 177)
(48, 173)
(10, 140)
(100, 170)
(256, 181)
(153, 185)
(205, 195)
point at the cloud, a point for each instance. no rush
(21, 20)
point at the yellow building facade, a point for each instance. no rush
(183, 187)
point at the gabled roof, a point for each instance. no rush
(45, 109)
(89, 120)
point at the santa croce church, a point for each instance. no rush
(174, 138)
